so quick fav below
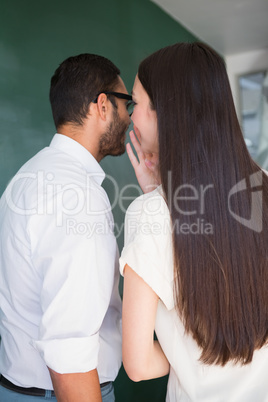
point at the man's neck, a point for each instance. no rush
(83, 136)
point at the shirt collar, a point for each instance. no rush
(77, 151)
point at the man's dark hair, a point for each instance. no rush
(76, 82)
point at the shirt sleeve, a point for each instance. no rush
(76, 260)
(148, 244)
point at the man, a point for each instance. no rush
(60, 316)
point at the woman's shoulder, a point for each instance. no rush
(149, 204)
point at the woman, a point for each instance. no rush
(195, 254)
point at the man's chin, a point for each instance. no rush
(118, 152)
(121, 149)
(115, 152)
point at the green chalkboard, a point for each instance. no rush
(35, 36)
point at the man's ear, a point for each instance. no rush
(103, 106)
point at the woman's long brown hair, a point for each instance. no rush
(217, 197)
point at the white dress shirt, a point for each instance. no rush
(148, 251)
(59, 300)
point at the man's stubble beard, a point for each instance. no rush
(112, 142)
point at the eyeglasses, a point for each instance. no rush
(129, 105)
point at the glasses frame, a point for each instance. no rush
(119, 95)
